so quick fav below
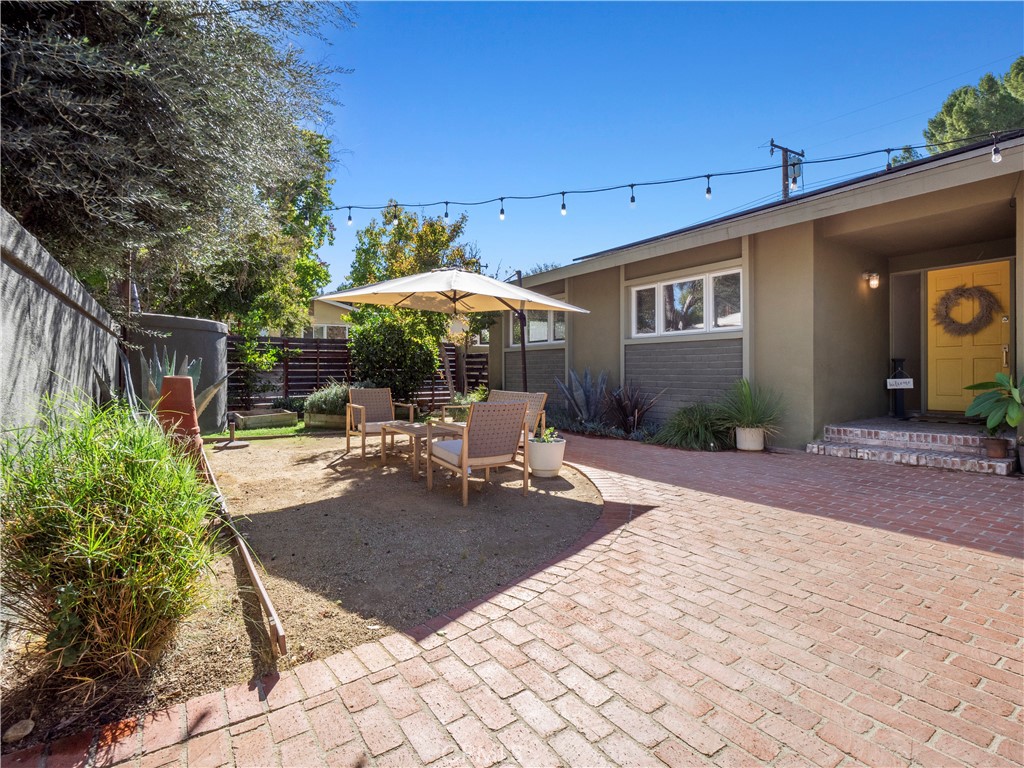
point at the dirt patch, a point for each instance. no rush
(350, 554)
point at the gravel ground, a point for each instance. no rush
(350, 554)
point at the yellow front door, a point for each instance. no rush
(956, 361)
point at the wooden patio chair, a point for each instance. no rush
(367, 410)
(489, 438)
(535, 402)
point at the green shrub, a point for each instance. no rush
(387, 352)
(697, 427)
(105, 536)
(477, 395)
(331, 399)
(291, 403)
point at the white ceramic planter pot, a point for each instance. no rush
(750, 438)
(546, 458)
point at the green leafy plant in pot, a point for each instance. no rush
(754, 412)
(547, 450)
(999, 404)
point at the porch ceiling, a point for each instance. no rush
(977, 213)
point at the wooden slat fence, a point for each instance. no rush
(311, 363)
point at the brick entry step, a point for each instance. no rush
(917, 444)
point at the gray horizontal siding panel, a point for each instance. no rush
(689, 371)
(542, 366)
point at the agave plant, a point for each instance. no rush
(584, 398)
(154, 370)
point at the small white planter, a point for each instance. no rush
(750, 438)
(546, 458)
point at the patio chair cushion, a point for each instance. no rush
(371, 427)
(451, 451)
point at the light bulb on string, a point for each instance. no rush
(446, 210)
(792, 184)
(707, 192)
(563, 204)
(501, 213)
(997, 156)
(632, 197)
(349, 216)
(888, 160)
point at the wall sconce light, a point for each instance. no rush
(873, 279)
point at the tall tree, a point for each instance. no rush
(402, 244)
(147, 128)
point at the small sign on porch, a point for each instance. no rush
(899, 383)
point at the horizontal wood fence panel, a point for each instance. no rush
(310, 364)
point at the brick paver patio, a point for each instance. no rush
(727, 609)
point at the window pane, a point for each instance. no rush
(684, 305)
(726, 290)
(485, 336)
(516, 335)
(644, 320)
(536, 325)
(559, 326)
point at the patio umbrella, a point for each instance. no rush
(454, 292)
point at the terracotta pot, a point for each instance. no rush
(176, 412)
(995, 447)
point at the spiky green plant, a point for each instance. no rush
(751, 406)
(584, 398)
(154, 370)
(105, 536)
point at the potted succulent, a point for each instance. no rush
(754, 412)
(999, 404)
(547, 450)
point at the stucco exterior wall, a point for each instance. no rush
(851, 334)
(689, 371)
(54, 337)
(542, 366)
(595, 339)
(781, 324)
(693, 257)
(325, 313)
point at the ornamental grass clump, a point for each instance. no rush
(697, 427)
(105, 536)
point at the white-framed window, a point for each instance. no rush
(326, 331)
(543, 326)
(692, 304)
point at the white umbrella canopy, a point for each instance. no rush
(452, 291)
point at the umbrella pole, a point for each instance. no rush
(522, 333)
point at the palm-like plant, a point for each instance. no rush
(751, 407)
(999, 403)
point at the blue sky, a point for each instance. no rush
(468, 101)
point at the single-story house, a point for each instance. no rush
(328, 319)
(813, 296)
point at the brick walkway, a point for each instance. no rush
(729, 610)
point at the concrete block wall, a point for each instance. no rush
(54, 337)
(692, 371)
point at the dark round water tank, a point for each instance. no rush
(196, 338)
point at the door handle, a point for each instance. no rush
(1006, 355)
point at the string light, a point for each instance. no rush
(996, 157)
(501, 213)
